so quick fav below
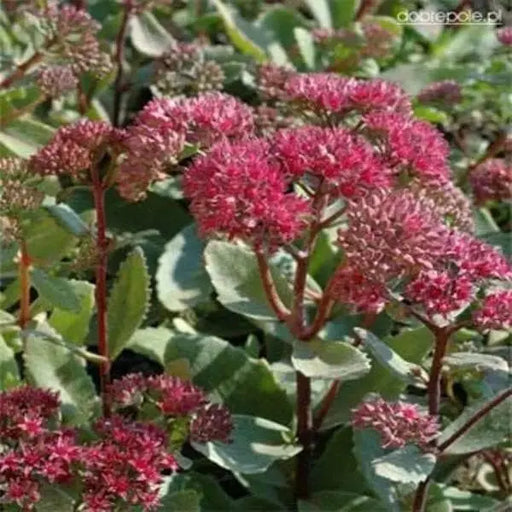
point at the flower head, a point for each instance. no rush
(212, 423)
(347, 162)
(55, 81)
(398, 423)
(271, 79)
(411, 146)
(331, 93)
(73, 149)
(492, 180)
(446, 91)
(349, 286)
(495, 311)
(440, 293)
(125, 465)
(390, 235)
(238, 190)
(504, 36)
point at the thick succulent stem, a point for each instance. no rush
(24, 277)
(101, 286)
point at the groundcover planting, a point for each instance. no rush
(255, 255)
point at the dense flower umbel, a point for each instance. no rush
(239, 190)
(492, 180)
(391, 235)
(347, 162)
(271, 79)
(332, 94)
(398, 423)
(450, 202)
(125, 465)
(25, 411)
(495, 311)
(55, 81)
(175, 398)
(410, 146)
(505, 36)
(350, 287)
(16, 195)
(73, 149)
(439, 293)
(446, 91)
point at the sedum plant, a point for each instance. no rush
(248, 264)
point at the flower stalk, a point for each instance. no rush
(24, 277)
(101, 284)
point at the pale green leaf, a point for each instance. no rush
(329, 360)
(181, 279)
(128, 301)
(256, 444)
(148, 36)
(57, 291)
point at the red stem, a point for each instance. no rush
(304, 435)
(326, 404)
(269, 286)
(119, 58)
(101, 285)
(434, 383)
(24, 277)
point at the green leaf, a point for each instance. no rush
(244, 384)
(51, 366)
(148, 36)
(476, 361)
(257, 443)
(412, 345)
(128, 301)
(73, 326)
(306, 46)
(367, 448)
(280, 22)
(501, 240)
(18, 98)
(181, 501)
(338, 501)
(467, 501)
(408, 372)
(490, 430)
(47, 241)
(8, 367)
(405, 465)
(245, 36)
(329, 360)
(68, 219)
(56, 290)
(54, 498)
(181, 279)
(332, 472)
(484, 222)
(234, 273)
(321, 12)
(343, 12)
(431, 114)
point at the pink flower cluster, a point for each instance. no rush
(333, 94)
(392, 234)
(175, 398)
(505, 36)
(398, 423)
(125, 465)
(349, 286)
(159, 132)
(446, 91)
(344, 160)
(55, 81)
(238, 190)
(492, 180)
(439, 292)
(122, 466)
(495, 311)
(410, 146)
(74, 149)
(400, 234)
